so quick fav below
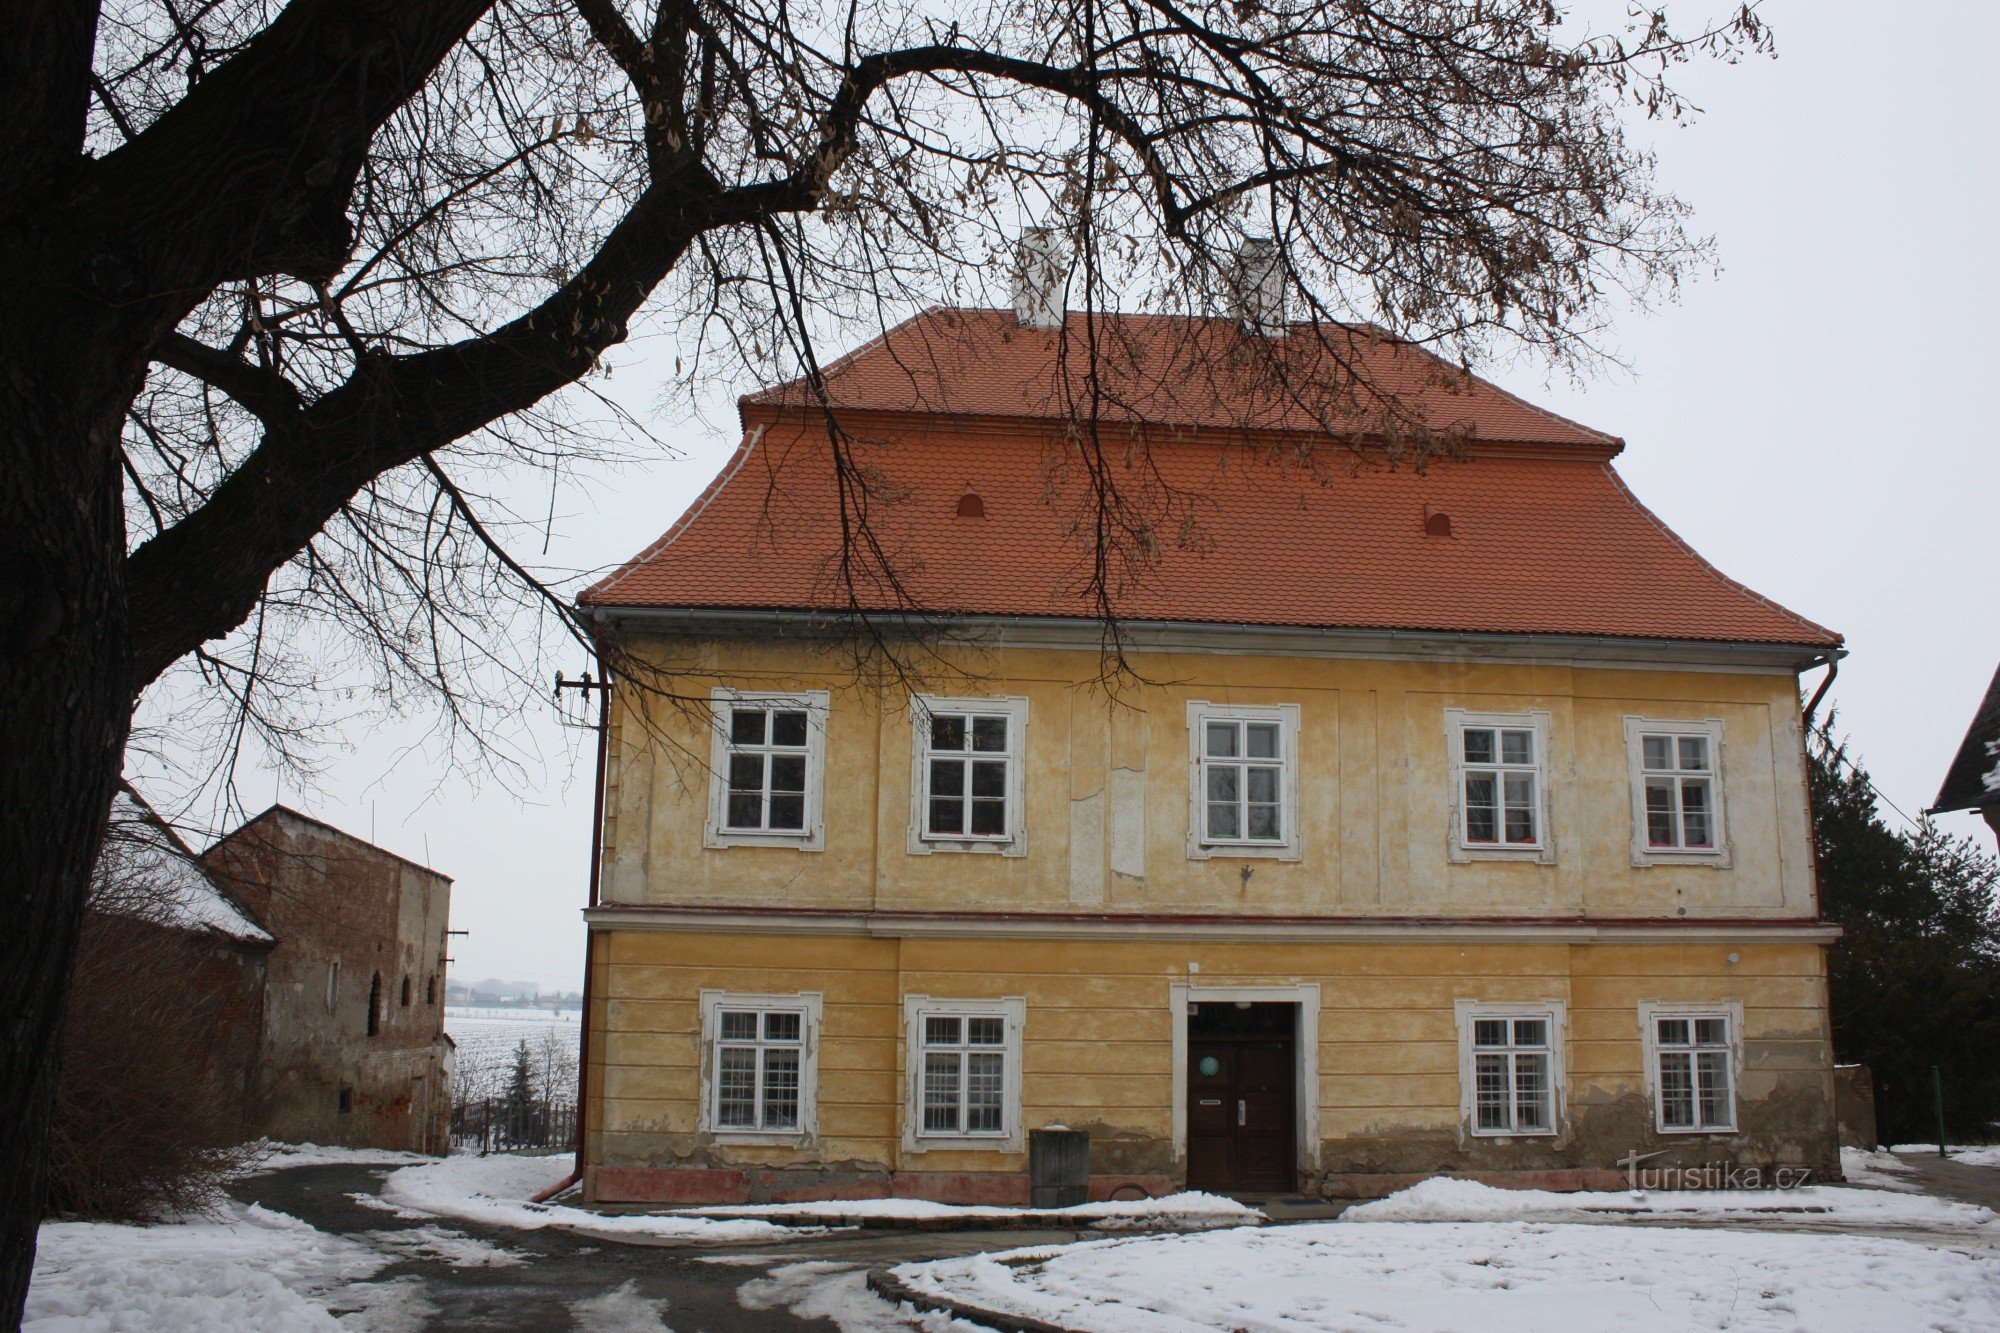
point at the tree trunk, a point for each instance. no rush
(65, 709)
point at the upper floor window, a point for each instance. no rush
(965, 1066)
(969, 779)
(769, 760)
(1244, 770)
(1676, 774)
(760, 1072)
(1499, 777)
(1510, 1060)
(1691, 1063)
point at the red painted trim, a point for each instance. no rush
(695, 1186)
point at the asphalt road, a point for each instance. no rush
(571, 1282)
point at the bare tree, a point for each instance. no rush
(284, 282)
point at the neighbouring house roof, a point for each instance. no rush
(1973, 780)
(361, 845)
(1544, 538)
(154, 876)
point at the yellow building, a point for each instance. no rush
(1440, 821)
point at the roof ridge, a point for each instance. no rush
(1603, 436)
(681, 524)
(1639, 507)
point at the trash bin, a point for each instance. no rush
(1058, 1167)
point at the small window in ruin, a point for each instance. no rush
(431, 989)
(346, 1100)
(332, 984)
(375, 1005)
(406, 992)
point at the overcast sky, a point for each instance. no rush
(1817, 421)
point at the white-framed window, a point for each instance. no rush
(767, 769)
(1692, 1055)
(965, 1073)
(1499, 775)
(1676, 775)
(1510, 1067)
(760, 1066)
(968, 777)
(1243, 780)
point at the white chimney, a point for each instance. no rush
(1041, 279)
(1257, 287)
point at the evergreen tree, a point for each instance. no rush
(1915, 980)
(521, 1113)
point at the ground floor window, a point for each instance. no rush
(1510, 1061)
(761, 1063)
(1693, 1068)
(965, 1062)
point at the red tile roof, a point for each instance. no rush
(1544, 536)
(1172, 371)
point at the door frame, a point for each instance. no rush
(1305, 1053)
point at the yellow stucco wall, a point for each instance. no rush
(1098, 1041)
(1107, 799)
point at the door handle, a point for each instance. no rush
(1241, 1106)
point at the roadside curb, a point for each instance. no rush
(884, 1283)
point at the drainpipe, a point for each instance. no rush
(1826, 682)
(589, 939)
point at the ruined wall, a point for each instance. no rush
(1097, 1054)
(1107, 792)
(357, 928)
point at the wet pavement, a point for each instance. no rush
(573, 1282)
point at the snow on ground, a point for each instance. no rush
(1493, 1276)
(1876, 1169)
(496, 1191)
(1969, 1154)
(280, 1156)
(451, 1247)
(839, 1292)
(1446, 1200)
(1191, 1206)
(247, 1267)
(620, 1310)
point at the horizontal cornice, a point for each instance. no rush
(1151, 636)
(1201, 929)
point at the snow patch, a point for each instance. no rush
(496, 1191)
(839, 1292)
(1447, 1200)
(1875, 1169)
(1190, 1205)
(273, 1156)
(248, 1267)
(1497, 1277)
(1966, 1155)
(621, 1310)
(451, 1247)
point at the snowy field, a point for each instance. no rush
(488, 1038)
(490, 1035)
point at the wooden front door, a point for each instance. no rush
(1241, 1100)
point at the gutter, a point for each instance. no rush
(1361, 641)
